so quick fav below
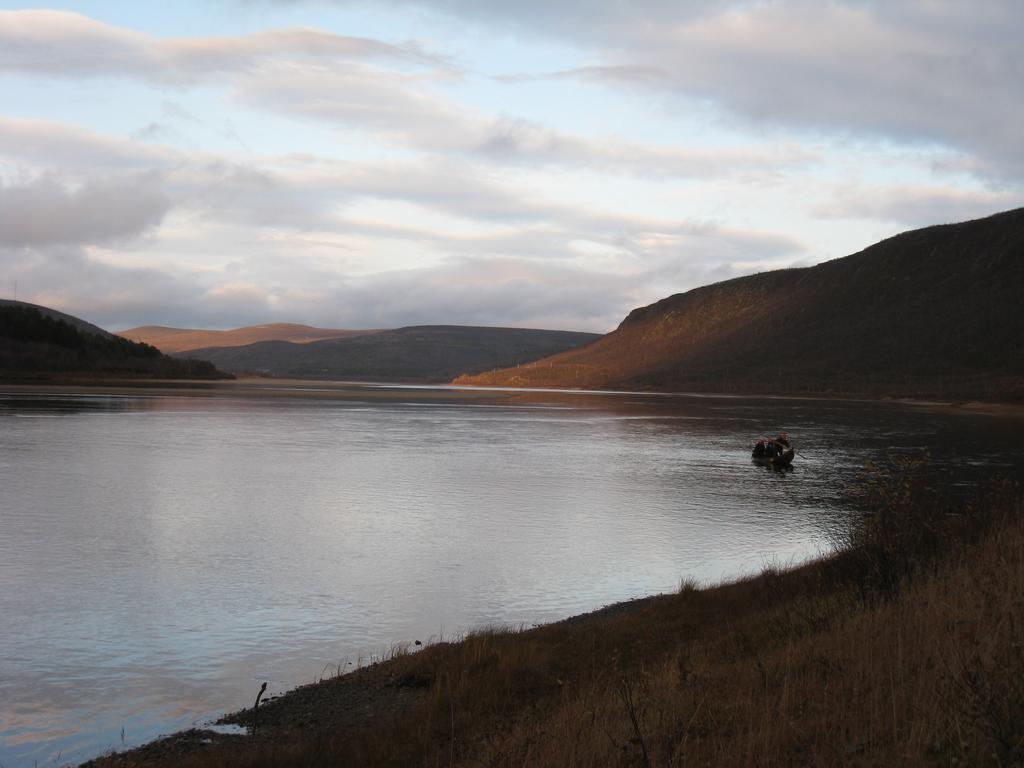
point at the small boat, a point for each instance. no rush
(767, 453)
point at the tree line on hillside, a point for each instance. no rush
(30, 341)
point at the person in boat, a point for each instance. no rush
(770, 447)
(782, 442)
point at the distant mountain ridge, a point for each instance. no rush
(173, 340)
(932, 312)
(424, 353)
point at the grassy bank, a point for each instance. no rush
(905, 648)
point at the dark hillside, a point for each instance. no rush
(932, 312)
(423, 353)
(36, 344)
(71, 320)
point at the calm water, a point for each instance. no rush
(160, 556)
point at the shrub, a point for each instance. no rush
(907, 524)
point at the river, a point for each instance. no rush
(162, 555)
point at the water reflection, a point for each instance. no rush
(161, 555)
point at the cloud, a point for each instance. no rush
(502, 292)
(45, 211)
(393, 104)
(500, 253)
(528, 142)
(297, 191)
(48, 144)
(395, 93)
(914, 72)
(626, 245)
(61, 43)
(68, 278)
(454, 213)
(297, 237)
(566, 19)
(407, 109)
(308, 192)
(914, 206)
(252, 195)
(520, 279)
(246, 297)
(919, 72)
(489, 291)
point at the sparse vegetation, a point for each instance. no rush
(907, 527)
(904, 648)
(688, 585)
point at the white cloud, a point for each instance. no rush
(492, 291)
(917, 71)
(289, 238)
(408, 110)
(45, 211)
(392, 92)
(460, 214)
(477, 292)
(65, 44)
(68, 278)
(48, 144)
(572, 19)
(915, 206)
(530, 278)
(918, 74)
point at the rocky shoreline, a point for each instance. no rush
(353, 700)
(350, 701)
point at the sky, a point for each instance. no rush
(221, 163)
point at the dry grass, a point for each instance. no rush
(901, 650)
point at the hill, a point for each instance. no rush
(932, 312)
(172, 340)
(423, 353)
(41, 343)
(71, 320)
